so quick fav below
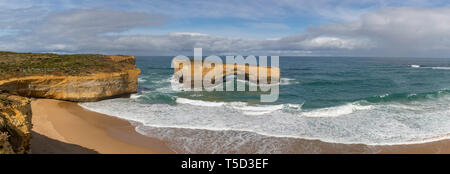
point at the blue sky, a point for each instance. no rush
(263, 27)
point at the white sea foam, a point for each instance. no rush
(294, 106)
(141, 79)
(174, 84)
(436, 67)
(259, 110)
(441, 68)
(410, 95)
(135, 96)
(238, 106)
(288, 81)
(199, 102)
(384, 95)
(236, 124)
(403, 106)
(336, 111)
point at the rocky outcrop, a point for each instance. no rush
(93, 87)
(78, 77)
(123, 59)
(5, 146)
(15, 124)
(272, 73)
(83, 77)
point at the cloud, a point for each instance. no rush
(187, 34)
(89, 22)
(70, 30)
(404, 31)
(398, 31)
(268, 25)
(341, 10)
(334, 43)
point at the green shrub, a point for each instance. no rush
(24, 64)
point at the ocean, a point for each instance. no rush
(350, 100)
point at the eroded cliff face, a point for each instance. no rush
(123, 59)
(15, 124)
(221, 70)
(91, 87)
(104, 83)
(65, 77)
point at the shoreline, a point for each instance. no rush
(66, 127)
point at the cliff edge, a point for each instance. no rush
(79, 77)
(15, 124)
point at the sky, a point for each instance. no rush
(374, 28)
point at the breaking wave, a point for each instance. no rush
(434, 67)
(379, 120)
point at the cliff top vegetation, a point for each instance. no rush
(25, 64)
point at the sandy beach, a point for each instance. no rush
(65, 127)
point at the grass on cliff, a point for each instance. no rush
(25, 64)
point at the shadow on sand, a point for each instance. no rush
(41, 144)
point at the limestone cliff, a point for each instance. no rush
(15, 124)
(249, 72)
(77, 77)
(95, 86)
(68, 77)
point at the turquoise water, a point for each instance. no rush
(333, 99)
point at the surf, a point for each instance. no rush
(363, 102)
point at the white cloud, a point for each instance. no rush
(90, 22)
(387, 32)
(398, 31)
(187, 34)
(334, 43)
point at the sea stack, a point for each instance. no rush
(272, 73)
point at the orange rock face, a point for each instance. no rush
(221, 70)
(85, 87)
(63, 77)
(15, 124)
